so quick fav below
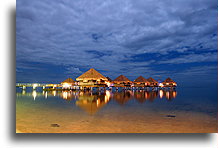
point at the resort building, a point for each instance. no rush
(68, 84)
(122, 81)
(152, 82)
(92, 78)
(169, 83)
(140, 82)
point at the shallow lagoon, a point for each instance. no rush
(185, 110)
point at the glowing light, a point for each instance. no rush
(35, 85)
(107, 96)
(54, 93)
(98, 102)
(167, 95)
(108, 84)
(46, 94)
(161, 93)
(23, 92)
(66, 85)
(174, 94)
(65, 95)
(161, 85)
(34, 95)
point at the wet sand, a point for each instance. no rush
(127, 121)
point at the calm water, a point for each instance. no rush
(191, 110)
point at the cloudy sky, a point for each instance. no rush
(169, 38)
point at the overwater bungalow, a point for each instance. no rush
(68, 83)
(122, 81)
(92, 78)
(169, 83)
(152, 82)
(140, 82)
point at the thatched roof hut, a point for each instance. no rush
(91, 74)
(169, 82)
(68, 83)
(140, 79)
(152, 82)
(68, 80)
(140, 82)
(121, 79)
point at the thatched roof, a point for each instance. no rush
(151, 80)
(121, 78)
(91, 74)
(68, 80)
(140, 79)
(109, 79)
(169, 80)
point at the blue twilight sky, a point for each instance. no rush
(57, 39)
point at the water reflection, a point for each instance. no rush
(92, 101)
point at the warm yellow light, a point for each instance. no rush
(65, 95)
(161, 93)
(66, 85)
(161, 85)
(34, 95)
(107, 96)
(167, 95)
(108, 84)
(98, 102)
(54, 93)
(174, 94)
(35, 85)
(46, 94)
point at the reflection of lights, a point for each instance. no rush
(34, 95)
(167, 95)
(146, 95)
(65, 95)
(81, 93)
(161, 93)
(54, 93)
(84, 101)
(174, 94)
(46, 94)
(23, 92)
(107, 96)
(98, 102)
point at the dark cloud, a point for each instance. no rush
(111, 35)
